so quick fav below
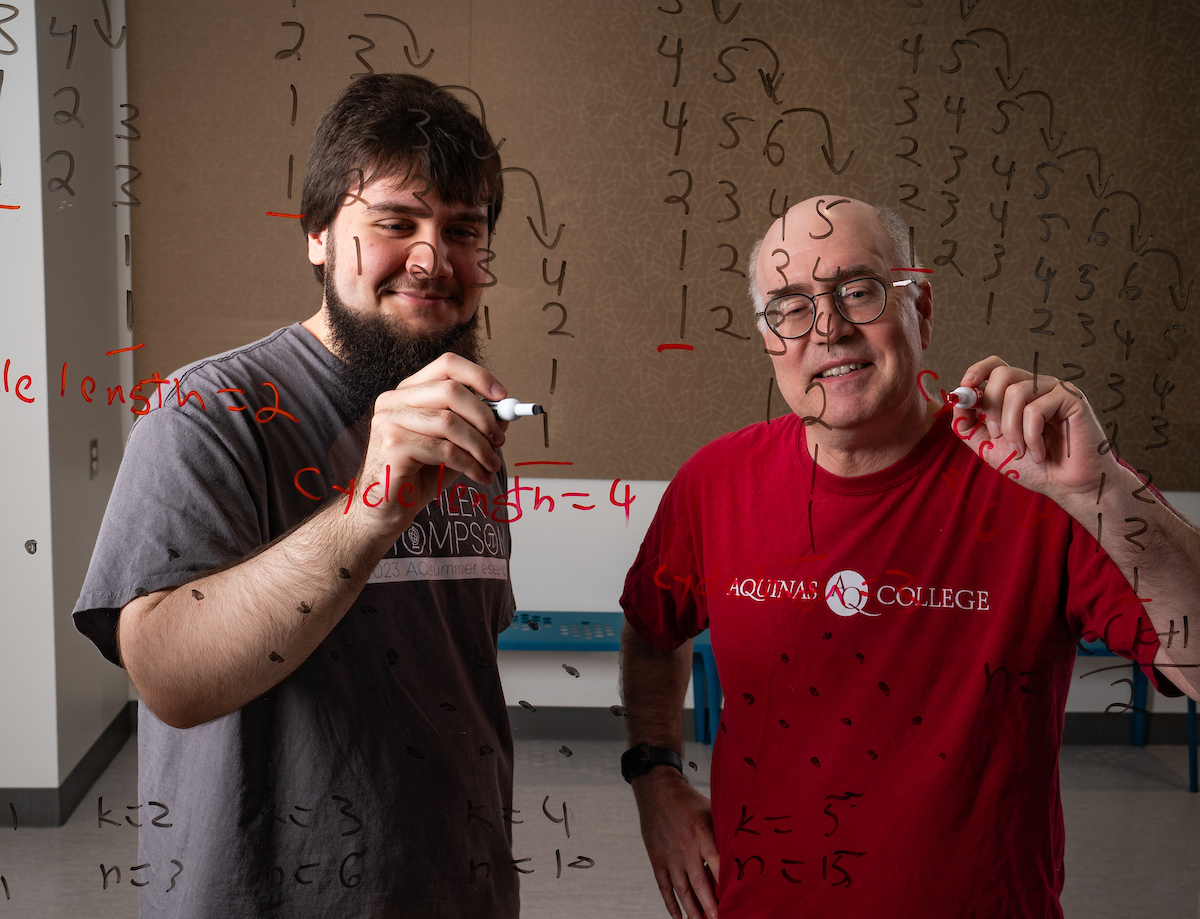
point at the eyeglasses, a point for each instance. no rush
(859, 301)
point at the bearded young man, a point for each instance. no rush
(320, 709)
(890, 736)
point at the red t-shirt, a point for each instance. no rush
(895, 651)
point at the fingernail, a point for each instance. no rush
(497, 391)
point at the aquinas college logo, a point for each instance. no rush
(847, 593)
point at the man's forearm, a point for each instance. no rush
(653, 684)
(1164, 550)
(212, 645)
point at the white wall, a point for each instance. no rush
(60, 290)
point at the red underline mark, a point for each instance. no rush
(545, 463)
(11, 207)
(119, 350)
(278, 214)
(921, 270)
(674, 347)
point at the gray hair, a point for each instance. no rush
(897, 232)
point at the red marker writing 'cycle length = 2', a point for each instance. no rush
(966, 396)
(512, 409)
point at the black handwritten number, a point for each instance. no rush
(1170, 341)
(557, 330)
(74, 31)
(1161, 430)
(998, 254)
(64, 117)
(729, 196)
(728, 323)
(1127, 289)
(1002, 219)
(56, 183)
(678, 8)
(1065, 381)
(957, 59)
(1129, 537)
(1122, 706)
(125, 123)
(1008, 176)
(1046, 278)
(1000, 108)
(1109, 443)
(787, 260)
(1046, 218)
(1044, 328)
(1099, 238)
(956, 112)
(958, 158)
(353, 879)
(816, 419)
(562, 273)
(845, 881)
(678, 125)
(1162, 394)
(680, 199)
(908, 154)
(677, 57)
(729, 118)
(8, 38)
(484, 262)
(1046, 185)
(909, 102)
(911, 196)
(135, 174)
(916, 51)
(726, 67)
(1086, 320)
(733, 258)
(359, 54)
(1083, 279)
(1127, 341)
(771, 146)
(420, 126)
(1138, 492)
(1117, 382)
(942, 260)
(295, 49)
(165, 810)
(952, 200)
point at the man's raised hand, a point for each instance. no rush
(432, 419)
(1048, 439)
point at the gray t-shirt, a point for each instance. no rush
(374, 781)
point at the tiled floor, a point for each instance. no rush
(1133, 839)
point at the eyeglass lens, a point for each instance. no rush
(858, 301)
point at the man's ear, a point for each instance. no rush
(316, 246)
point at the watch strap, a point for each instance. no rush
(641, 759)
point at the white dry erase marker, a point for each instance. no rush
(511, 409)
(965, 396)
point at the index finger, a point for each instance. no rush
(981, 370)
(457, 368)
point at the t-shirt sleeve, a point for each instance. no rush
(181, 505)
(659, 600)
(1102, 605)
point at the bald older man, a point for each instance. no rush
(894, 592)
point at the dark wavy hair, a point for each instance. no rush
(398, 124)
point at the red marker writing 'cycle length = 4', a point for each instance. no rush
(512, 409)
(966, 396)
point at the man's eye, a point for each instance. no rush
(396, 227)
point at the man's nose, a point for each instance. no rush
(426, 258)
(830, 325)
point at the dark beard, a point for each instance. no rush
(378, 352)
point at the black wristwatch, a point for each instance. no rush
(643, 758)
